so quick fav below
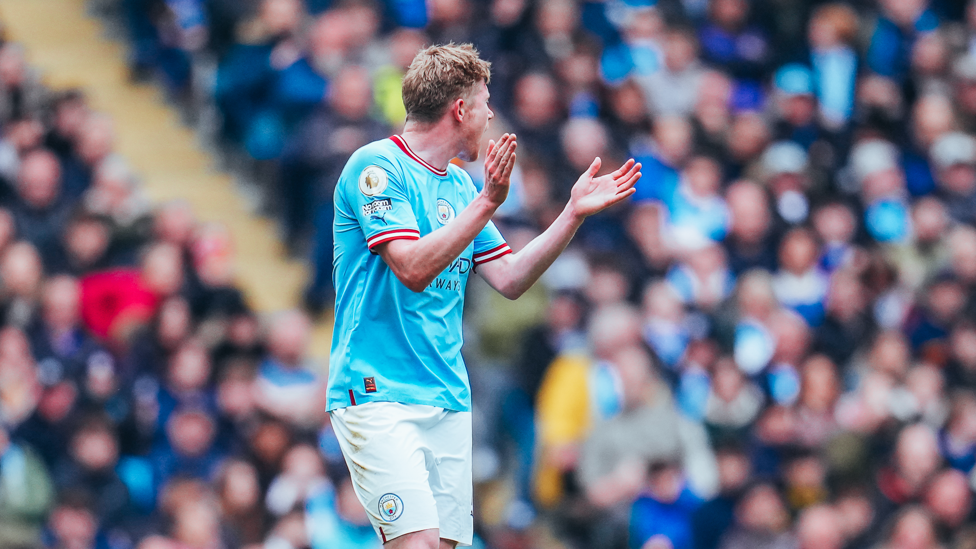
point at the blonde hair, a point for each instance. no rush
(437, 76)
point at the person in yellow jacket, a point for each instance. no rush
(578, 389)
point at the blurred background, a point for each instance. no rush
(772, 345)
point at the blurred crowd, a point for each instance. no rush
(772, 345)
(142, 402)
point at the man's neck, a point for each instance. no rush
(434, 142)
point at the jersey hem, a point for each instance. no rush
(335, 403)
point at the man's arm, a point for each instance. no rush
(511, 275)
(417, 262)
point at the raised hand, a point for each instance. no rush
(499, 161)
(592, 194)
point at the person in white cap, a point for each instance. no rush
(784, 166)
(953, 158)
(877, 175)
(964, 89)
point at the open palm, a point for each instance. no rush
(592, 194)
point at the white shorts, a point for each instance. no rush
(410, 466)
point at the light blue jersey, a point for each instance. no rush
(389, 343)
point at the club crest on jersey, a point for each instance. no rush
(445, 212)
(373, 180)
(390, 507)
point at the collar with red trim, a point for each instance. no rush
(402, 143)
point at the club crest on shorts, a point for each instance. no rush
(391, 507)
(373, 180)
(445, 212)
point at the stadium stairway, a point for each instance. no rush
(71, 50)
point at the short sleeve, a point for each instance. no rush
(381, 204)
(489, 245)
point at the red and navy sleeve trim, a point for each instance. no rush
(492, 254)
(394, 234)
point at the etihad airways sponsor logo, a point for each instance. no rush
(460, 266)
(451, 285)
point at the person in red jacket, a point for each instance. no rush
(117, 301)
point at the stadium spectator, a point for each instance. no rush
(713, 517)
(63, 349)
(187, 449)
(674, 87)
(950, 500)
(115, 198)
(733, 402)
(664, 513)
(95, 142)
(74, 523)
(27, 496)
(40, 211)
(51, 424)
(286, 387)
(536, 113)
(761, 520)
(93, 453)
(750, 238)
(796, 105)
(647, 430)
(342, 521)
(818, 527)
(666, 324)
(83, 246)
(22, 95)
(730, 41)
(69, 111)
(800, 284)
(239, 492)
(575, 390)
(116, 303)
(898, 27)
(211, 290)
(22, 273)
(832, 34)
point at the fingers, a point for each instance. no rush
(628, 168)
(494, 149)
(499, 166)
(594, 167)
(506, 158)
(627, 193)
(620, 196)
(508, 166)
(624, 194)
(630, 176)
(632, 181)
(628, 165)
(497, 152)
(510, 143)
(628, 183)
(507, 170)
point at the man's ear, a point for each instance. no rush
(459, 109)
